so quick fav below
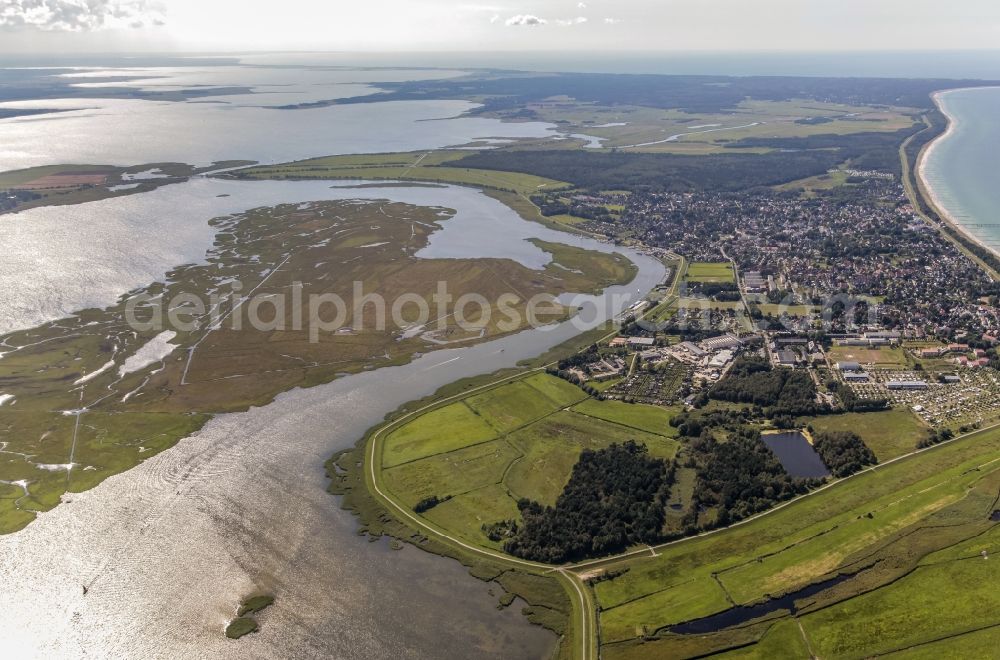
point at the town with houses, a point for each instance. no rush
(856, 290)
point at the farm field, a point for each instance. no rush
(653, 419)
(914, 515)
(529, 437)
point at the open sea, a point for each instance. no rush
(961, 167)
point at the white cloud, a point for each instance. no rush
(612, 21)
(525, 19)
(579, 20)
(78, 15)
(581, 5)
(495, 18)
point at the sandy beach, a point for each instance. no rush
(932, 197)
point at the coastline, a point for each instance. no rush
(923, 183)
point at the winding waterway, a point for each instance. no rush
(167, 549)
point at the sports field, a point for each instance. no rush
(706, 271)
(882, 357)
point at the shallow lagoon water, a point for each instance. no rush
(96, 252)
(168, 549)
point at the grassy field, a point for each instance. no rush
(705, 303)
(889, 433)
(652, 419)
(710, 272)
(881, 525)
(423, 437)
(821, 182)
(484, 452)
(949, 593)
(790, 310)
(414, 166)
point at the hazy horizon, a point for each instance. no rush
(955, 64)
(42, 26)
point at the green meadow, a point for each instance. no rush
(909, 534)
(478, 456)
(710, 272)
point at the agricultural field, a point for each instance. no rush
(430, 166)
(528, 438)
(120, 410)
(908, 536)
(653, 419)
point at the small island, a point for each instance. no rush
(244, 624)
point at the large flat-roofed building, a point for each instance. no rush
(848, 366)
(721, 359)
(691, 348)
(856, 377)
(641, 341)
(786, 358)
(887, 335)
(907, 385)
(726, 341)
(754, 282)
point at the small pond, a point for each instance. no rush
(797, 456)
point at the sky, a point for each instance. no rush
(53, 26)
